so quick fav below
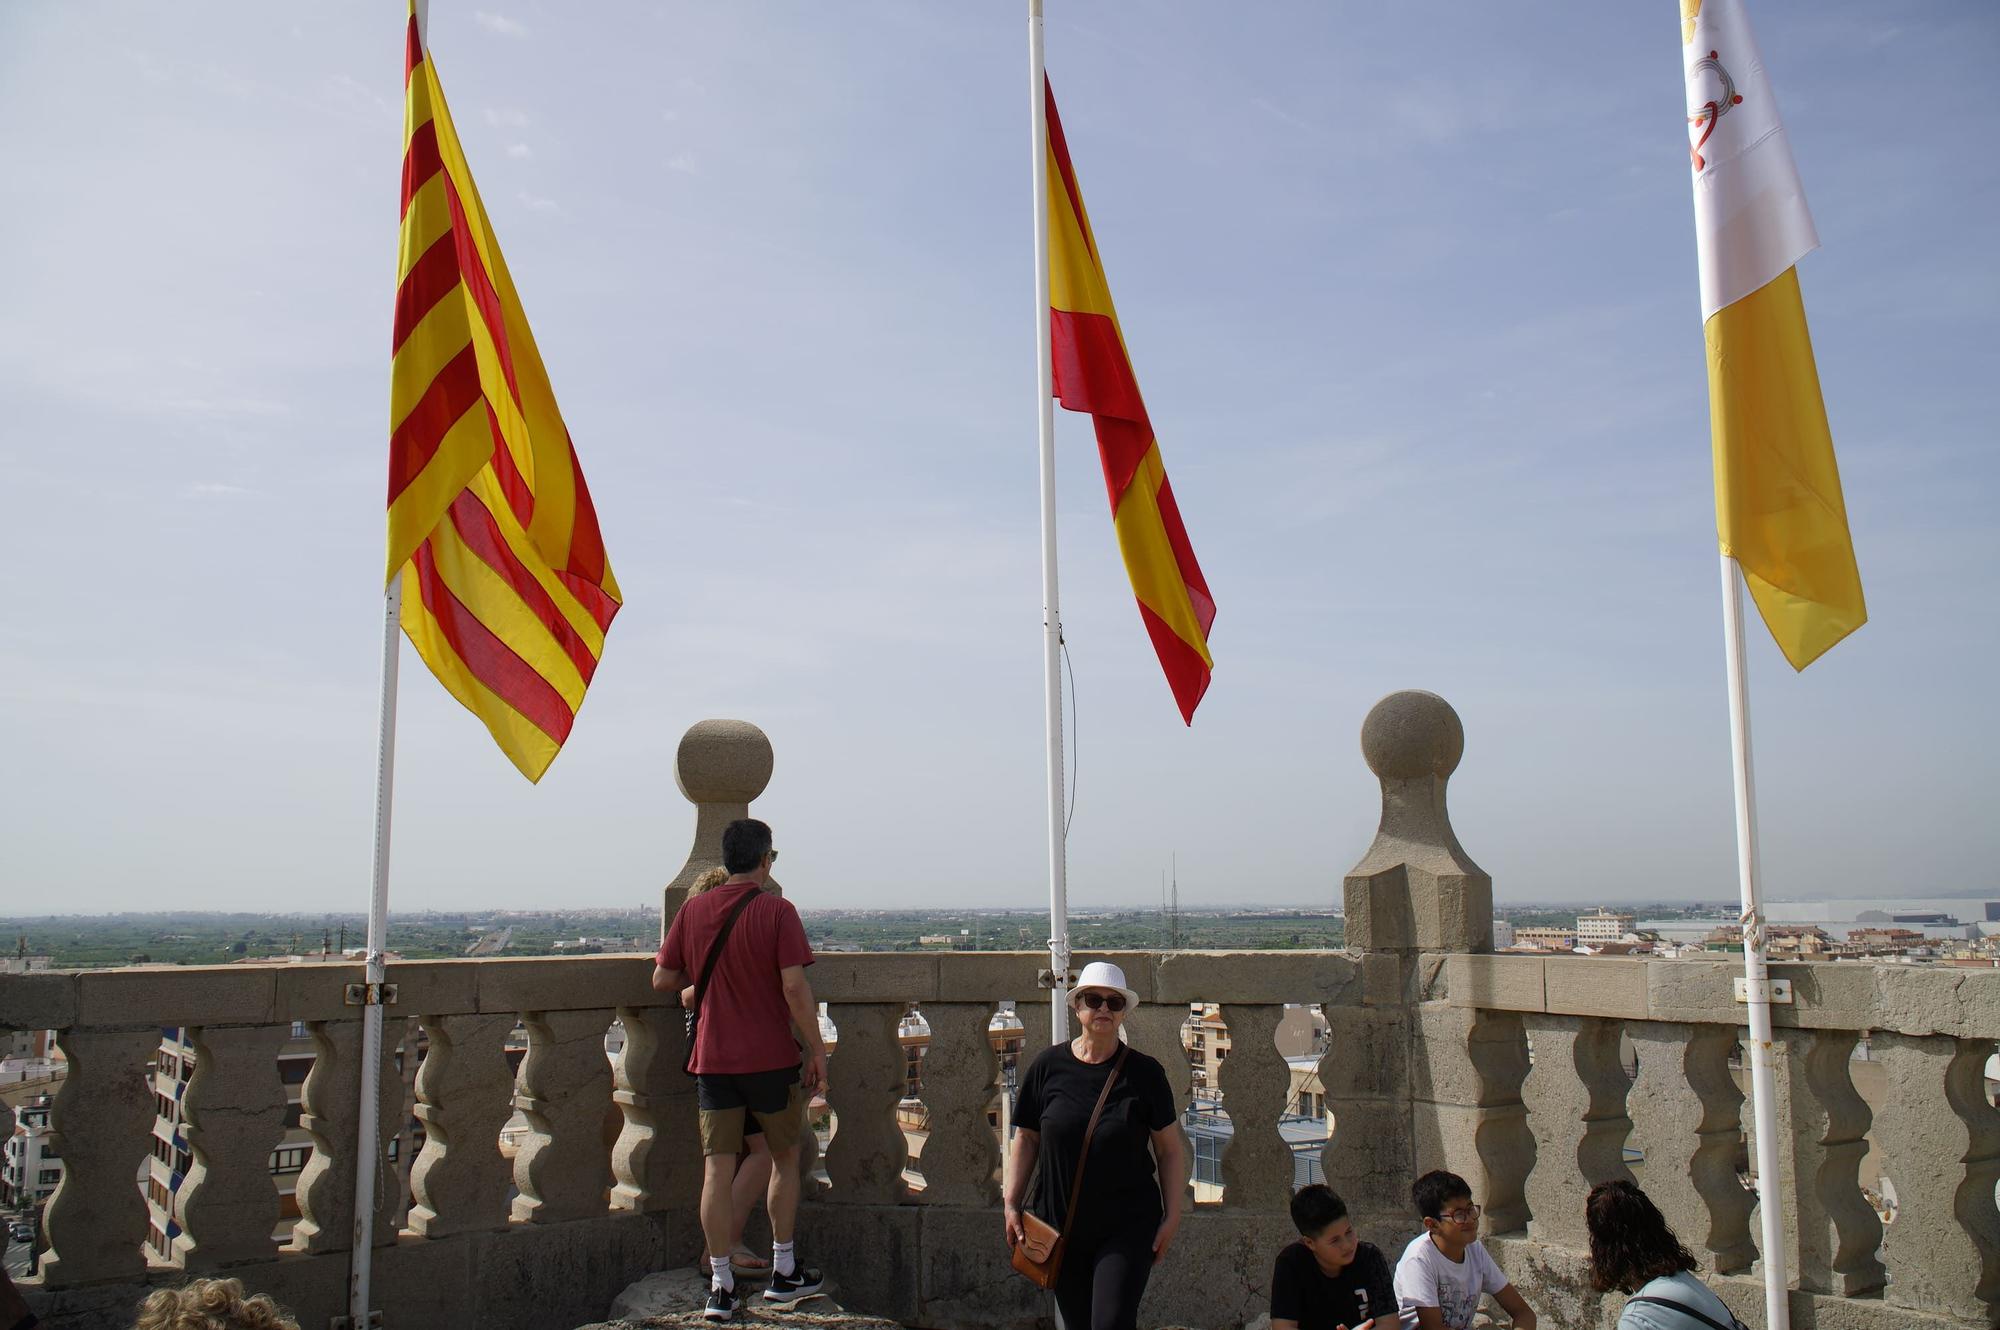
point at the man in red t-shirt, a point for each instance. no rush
(746, 1051)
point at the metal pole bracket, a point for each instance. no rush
(371, 995)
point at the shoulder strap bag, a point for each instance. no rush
(1039, 1254)
(1686, 1310)
(693, 1012)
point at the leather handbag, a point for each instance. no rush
(693, 1012)
(1039, 1253)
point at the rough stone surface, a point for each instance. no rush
(656, 1160)
(465, 1091)
(864, 1076)
(1155, 1029)
(721, 767)
(1944, 1247)
(331, 1113)
(101, 1122)
(1257, 1164)
(1575, 1098)
(1508, 983)
(961, 1160)
(672, 1299)
(1597, 986)
(1834, 1232)
(1686, 1114)
(564, 1168)
(233, 1115)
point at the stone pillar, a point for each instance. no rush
(1154, 1028)
(1942, 1154)
(101, 1123)
(866, 1157)
(1416, 889)
(1576, 1108)
(1468, 1114)
(465, 1093)
(330, 1100)
(721, 766)
(564, 1168)
(233, 1115)
(1687, 1113)
(1256, 1164)
(961, 1158)
(1835, 1232)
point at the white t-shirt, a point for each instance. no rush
(1425, 1277)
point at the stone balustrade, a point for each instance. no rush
(1534, 1077)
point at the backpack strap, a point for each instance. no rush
(1083, 1155)
(708, 970)
(1686, 1310)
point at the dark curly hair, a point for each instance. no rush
(1630, 1242)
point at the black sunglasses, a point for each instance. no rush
(1109, 1001)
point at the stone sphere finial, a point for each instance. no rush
(1410, 735)
(723, 762)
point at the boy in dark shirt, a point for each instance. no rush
(1329, 1279)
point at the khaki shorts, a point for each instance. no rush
(773, 1098)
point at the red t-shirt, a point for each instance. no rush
(745, 1024)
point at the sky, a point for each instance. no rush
(1411, 292)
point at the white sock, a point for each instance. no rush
(724, 1277)
(782, 1259)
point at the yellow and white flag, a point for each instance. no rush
(1778, 506)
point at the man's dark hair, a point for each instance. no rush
(1435, 1189)
(1630, 1242)
(1315, 1207)
(745, 842)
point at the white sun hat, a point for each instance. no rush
(1103, 974)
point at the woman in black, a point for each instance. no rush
(1130, 1205)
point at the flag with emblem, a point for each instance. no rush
(506, 590)
(1778, 506)
(1094, 374)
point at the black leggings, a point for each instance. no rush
(1103, 1277)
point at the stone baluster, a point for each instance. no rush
(1687, 1114)
(1256, 1164)
(564, 1168)
(961, 1158)
(656, 1161)
(464, 1095)
(1154, 1028)
(330, 1104)
(721, 766)
(865, 1081)
(1943, 1159)
(100, 1123)
(1834, 1230)
(233, 1116)
(1575, 1097)
(1467, 1084)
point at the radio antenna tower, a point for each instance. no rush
(1174, 910)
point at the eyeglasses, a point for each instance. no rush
(1465, 1216)
(771, 856)
(1109, 1001)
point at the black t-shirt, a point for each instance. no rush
(1302, 1292)
(1121, 1185)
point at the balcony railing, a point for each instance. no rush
(1533, 1077)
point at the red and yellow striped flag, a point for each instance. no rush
(1093, 373)
(506, 591)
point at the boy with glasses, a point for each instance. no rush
(1445, 1271)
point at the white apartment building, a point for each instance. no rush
(1603, 926)
(30, 1168)
(1503, 935)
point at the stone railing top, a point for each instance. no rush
(1827, 995)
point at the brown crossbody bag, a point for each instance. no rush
(1039, 1253)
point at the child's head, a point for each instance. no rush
(1323, 1225)
(1445, 1202)
(708, 881)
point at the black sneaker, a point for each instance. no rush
(790, 1290)
(721, 1304)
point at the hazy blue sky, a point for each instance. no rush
(1411, 291)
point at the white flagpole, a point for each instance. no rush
(368, 1131)
(1763, 1091)
(1051, 605)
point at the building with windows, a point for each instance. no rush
(1603, 925)
(30, 1167)
(1545, 938)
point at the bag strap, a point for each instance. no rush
(1683, 1308)
(1083, 1155)
(715, 947)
